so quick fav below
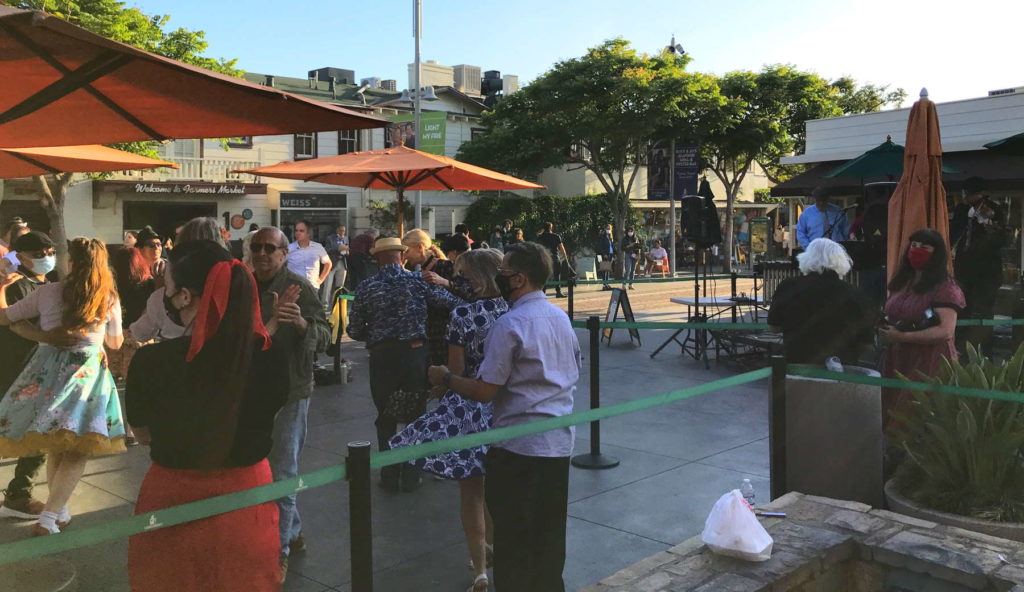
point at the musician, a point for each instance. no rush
(823, 220)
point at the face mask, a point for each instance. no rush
(918, 257)
(461, 285)
(45, 265)
(630, 233)
(504, 285)
(173, 313)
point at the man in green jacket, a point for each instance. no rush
(302, 331)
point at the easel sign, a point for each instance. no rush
(619, 299)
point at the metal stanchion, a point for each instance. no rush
(357, 469)
(595, 460)
(571, 285)
(777, 428)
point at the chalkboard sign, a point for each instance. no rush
(619, 299)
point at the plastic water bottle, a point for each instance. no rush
(833, 364)
(747, 491)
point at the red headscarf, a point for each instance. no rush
(213, 304)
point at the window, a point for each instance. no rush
(476, 132)
(348, 141)
(305, 146)
(240, 142)
(183, 149)
(389, 135)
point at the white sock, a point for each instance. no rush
(48, 520)
(64, 515)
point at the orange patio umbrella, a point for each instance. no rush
(400, 169)
(919, 200)
(61, 85)
(29, 162)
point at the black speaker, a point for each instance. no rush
(699, 221)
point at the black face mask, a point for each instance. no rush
(461, 285)
(504, 285)
(172, 313)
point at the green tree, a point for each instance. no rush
(763, 119)
(112, 19)
(599, 112)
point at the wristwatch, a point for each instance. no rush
(447, 379)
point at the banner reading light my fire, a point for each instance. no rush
(433, 126)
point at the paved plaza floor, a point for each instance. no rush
(676, 461)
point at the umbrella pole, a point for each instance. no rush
(400, 214)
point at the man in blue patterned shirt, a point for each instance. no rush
(390, 314)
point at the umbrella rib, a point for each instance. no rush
(434, 174)
(95, 68)
(34, 162)
(60, 67)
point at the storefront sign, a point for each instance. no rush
(314, 200)
(186, 188)
(433, 124)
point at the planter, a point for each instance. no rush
(897, 502)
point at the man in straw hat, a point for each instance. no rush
(390, 314)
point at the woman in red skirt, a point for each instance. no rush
(205, 403)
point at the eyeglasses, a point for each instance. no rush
(152, 245)
(263, 247)
(507, 272)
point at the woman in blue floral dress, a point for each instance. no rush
(64, 402)
(456, 416)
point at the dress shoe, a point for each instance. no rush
(389, 478)
(410, 478)
(297, 545)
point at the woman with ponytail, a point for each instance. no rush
(65, 402)
(205, 404)
(921, 313)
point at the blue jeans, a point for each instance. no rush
(289, 436)
(630, 269)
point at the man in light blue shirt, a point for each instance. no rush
(820, 219)
(530, 369)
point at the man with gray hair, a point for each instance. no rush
(302, 333)
(819, 314)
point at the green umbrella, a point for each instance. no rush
(1010, 145)
(884, 160)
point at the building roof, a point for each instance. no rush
(344, 95)
(966, 125)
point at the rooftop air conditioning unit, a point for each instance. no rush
(1006, 91)
(467, 79)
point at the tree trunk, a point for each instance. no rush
(400, 214)
(730, 206)
(52, 197)
(621, 207)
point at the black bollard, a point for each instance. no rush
(357, 468)
(571, 284)
(777, 428)
(595, 460)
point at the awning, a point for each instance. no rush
(1001, 172)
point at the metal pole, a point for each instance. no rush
(418, 34)
(672, 210)
(357, 468)
(595, 460)
(777, 428)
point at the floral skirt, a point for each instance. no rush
(63, 401)
(454, 416)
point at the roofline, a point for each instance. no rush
(985, 98)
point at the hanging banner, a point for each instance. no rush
(687, 169)
(433, 136)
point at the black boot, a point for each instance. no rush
(410, 479)
(390, 478)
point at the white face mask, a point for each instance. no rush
(45, 265)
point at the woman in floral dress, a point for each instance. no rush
(65, 402)
(456, 416)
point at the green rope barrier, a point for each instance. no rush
(21, 550)
(729, 326)
(944, 389)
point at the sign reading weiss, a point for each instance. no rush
(188, 188)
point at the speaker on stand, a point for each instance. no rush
(699, 221)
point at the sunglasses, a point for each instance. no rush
(263, 247)
(152, 245)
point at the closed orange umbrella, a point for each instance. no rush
(29, 162)
(61, 85)
(919, 200)
(399, 168)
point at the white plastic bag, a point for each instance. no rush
(732, 529)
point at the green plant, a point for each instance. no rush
(383, 216)
(965, 455)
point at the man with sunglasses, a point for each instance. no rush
(530, 369)
(36, 258)
(302, 333)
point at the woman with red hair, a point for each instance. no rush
(135, 283)
(205, 404)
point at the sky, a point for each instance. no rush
(958, 50)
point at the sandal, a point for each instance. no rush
(480, 584)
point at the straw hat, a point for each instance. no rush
(388, 244)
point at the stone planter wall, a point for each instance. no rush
(1013, 531)
(826, 545)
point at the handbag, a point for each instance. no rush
(405, 406)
